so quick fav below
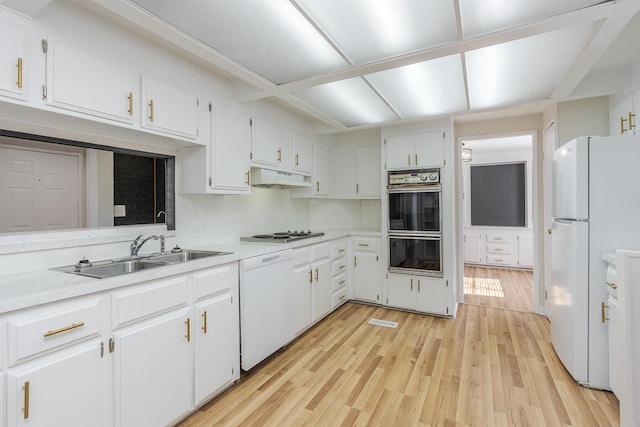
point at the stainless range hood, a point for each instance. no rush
(266, 178)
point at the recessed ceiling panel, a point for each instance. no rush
(486, 16)
(424, 89)
(369, 30)
(272, 38)
(351, 102)
(523, 70)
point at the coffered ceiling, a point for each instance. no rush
(360, 63)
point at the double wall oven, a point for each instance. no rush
(415, 222)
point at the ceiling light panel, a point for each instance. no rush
(524, 70)
(367, 30)
(424, 89)
(482, 17)
(272, 38)
(351, 102)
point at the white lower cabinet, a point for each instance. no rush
(339, 272)
(63, 388)
(367, 274)
(420, 293)
(312, 284)
(473, 248)
(153, 370)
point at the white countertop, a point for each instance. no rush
(24, 290)
(609, 257)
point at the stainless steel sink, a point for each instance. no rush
(184, 256)
(111, 268)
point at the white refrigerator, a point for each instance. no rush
(596, 209)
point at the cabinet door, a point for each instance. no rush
(619, 117)
(14, 60)
(399, 150)
(169, 109)
(368, 172)
(302, 154)
(321, 289)
(429, 149)
(401, 291)
(473, 248)
(344, 158)
(432, 295)
(321, 170)
(366, 276)
(83, 82)
(231, 134)
(216, 345)
(153, 370)
(61, 389)
(266, 146)
(302, 277)
(525, 250)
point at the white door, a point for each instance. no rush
(549, 146)
(39, 190)
(569, 295)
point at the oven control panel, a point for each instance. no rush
(424, 176)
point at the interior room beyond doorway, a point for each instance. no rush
(497, 201)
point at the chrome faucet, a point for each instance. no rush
(137, 243)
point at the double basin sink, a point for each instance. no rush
(111, 268)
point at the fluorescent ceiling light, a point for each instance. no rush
(369, 30)
(482, 17)
(426, 88)
(271, 38)
(523, 70)
(350, 101)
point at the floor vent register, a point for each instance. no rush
(385, 323)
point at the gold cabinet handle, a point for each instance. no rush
(631, 124)
(341, 250)
(409, 159)
(497, 249)
(65, 329)
(612, 285)
(310, 276)
(342, 297)
(604, 307)
(279, 154)
(418, 285)
(366, 245)
(188, 323)
(19, 65)
(355, 261)
(411, 284)
(204, 322)
(341, 267)
(130, 98)
(357, 188)
(112, 345)
(297, 160)
(318, 186)
(25, 410)
(416, 157)
(622, 129)
(248, 181)
(499, 260)
(151, 110)
(316, 274)
(342, 282)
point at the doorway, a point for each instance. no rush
(499, 205)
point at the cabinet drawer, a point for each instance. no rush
(320, 251)
(364, 244)
(52, 326)
(214, 280)
(498, 248)
(338, 267)
(339, 249)
(144, 300)
(338, 282)
(498, 238)
(339, 297)
(499, 259)
(301, 256)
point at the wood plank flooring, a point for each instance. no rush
(509, 289)
(487, 367)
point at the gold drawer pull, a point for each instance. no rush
(297, 160)
(341, 250)
(342, 266)
(631, 124)
(342, 297)
(19, 82)
(279, 154)
(604, 307)
(151, 110)
(26, 400)
(342, 282)
(204, 322)
(612, 285)
(622, 129)
(65, 329)
(188, 323)
(130, 98)
(366, 245)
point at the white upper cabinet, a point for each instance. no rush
(84, 82)
(368, 173)
(302, 154)
(425, 149)
(168, 109)
(321, 170)
(623, 116)
(14, 60)
(268, 148)
(230, 141)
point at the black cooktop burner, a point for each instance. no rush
(281, 236)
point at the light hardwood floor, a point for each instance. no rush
(509, 289)
(487, 367)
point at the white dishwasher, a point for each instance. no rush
(267, 312)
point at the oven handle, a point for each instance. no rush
(428, 236)
(408, 188)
